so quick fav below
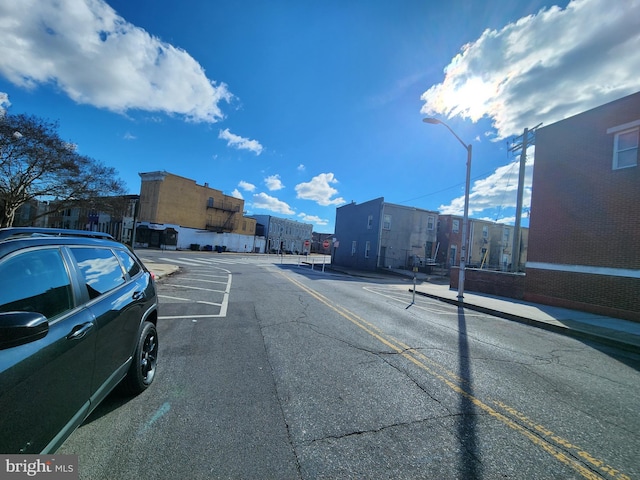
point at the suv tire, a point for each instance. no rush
(143, 365)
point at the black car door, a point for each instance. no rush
(117, 306)
(45, 383)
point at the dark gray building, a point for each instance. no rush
(376, 234)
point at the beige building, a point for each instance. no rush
(176, 212)
(491, 245)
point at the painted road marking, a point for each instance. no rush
(223, 305)
(551, 444)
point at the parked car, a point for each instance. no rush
(78, 315)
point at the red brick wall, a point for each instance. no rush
(582, 211)
(611, 296)
(491, 282)
(585, 213)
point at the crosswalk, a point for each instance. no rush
(193, 261)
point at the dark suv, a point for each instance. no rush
(78, 314)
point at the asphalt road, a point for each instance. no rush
(271, 370)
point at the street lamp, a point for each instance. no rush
(465, 218)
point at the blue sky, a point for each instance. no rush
(302, 106)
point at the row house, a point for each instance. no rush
(377, 234)
(283, 235)
(31, 214)
(490, 243)
(112, 215)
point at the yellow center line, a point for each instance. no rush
(530, 430)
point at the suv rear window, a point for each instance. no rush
(100, 268)
(130, 265)
(35, 281)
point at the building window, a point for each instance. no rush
(367, 249)
(354, 245)
(456, 226)
(386, 222)
(430, 222)
(485, 232)
(625, 149)
(210, 202)
(370, 222)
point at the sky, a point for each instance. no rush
(299, 107)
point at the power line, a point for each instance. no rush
(483, 175)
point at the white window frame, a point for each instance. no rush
(431, 221)
(386, 222)
(370, 222)
(453, 254)
(631, 127)
(455, 226)
(367, 249)
(354, 246)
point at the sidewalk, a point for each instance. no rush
(615, 332)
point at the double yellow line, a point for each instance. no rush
(559, 448)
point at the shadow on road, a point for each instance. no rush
(469, 465)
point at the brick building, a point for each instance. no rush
(175, 212)
(584, 238)
(490, 243)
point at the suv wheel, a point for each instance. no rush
(143, 365)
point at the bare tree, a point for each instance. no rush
(36, 164)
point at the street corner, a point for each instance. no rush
(161, 270)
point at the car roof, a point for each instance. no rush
(12, 239)
(52, 232)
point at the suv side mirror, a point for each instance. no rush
(18, 328)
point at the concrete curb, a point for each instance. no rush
(561, 329)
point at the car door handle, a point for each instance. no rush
(80, 331)
(138, 295)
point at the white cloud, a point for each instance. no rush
(98, 58)
(544, 67)
(319, 190)
(249, 187)
(4, 103)
(497, 191)
(266, 202)
(301, 168)
(313, 219)
(237, 194)
(129, 136)
(273, 183)
(241, 143)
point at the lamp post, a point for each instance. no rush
(465, 218)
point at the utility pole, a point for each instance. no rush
(527, 138)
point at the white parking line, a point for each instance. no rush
(224, 279)
(180, 261)
(195, 288)
(190, 300)
(207, 281)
